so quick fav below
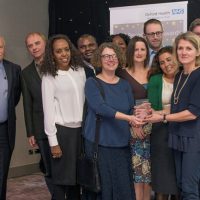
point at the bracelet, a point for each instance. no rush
(164, 119)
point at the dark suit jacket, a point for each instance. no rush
(13, 72)
(32, 101)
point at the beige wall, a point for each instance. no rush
(17, 18)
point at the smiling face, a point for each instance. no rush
(120, 42)
(109, 60)
(61, 54)
(87, 46)
(140, 52)
(36, 46)
(187, 53)
(167, 64)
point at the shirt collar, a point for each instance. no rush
(151, 51)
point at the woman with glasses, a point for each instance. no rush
(115, 109)
(136, 74)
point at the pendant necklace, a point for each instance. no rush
(177, 94)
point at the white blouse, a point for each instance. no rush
(166, 93)
(63, 99)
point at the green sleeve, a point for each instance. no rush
(155, 92)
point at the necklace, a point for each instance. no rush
(177, 94)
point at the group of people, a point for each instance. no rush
(149, 131)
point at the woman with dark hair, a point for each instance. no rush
(115, 109)
(160, 87)
(137, 58)
(63, 98)
(121, 40)
(184, 117)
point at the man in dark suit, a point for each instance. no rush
(32, 101)
(9, 97)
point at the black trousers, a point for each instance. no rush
(45, 152)
(63, 192)
(5, 157)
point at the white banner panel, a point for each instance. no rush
(130, 19)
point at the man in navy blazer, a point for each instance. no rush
(9, 97)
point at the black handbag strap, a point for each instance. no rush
(98, 121)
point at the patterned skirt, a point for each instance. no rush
(140, 151)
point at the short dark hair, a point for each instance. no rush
(151, 21)
(155, 67)
(124, 36)
(84, 36)
(131, 49)
(49, 65)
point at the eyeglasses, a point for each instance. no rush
(107, 57)
(153, 34)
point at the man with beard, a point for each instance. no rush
(87, 45)
(32, 101)
(153, 33)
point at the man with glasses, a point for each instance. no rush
(87, 45)
(153, 33)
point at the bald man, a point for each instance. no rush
(9, 97)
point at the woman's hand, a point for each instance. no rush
(56, 151)
(138, 132)
(143, 110)
(153, 118)
(135, 121)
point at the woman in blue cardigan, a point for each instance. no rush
(115, 110)
(160, 89)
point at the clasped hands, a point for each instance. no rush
(142, 113)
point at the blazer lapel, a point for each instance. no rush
(35, 73)
(9, 75)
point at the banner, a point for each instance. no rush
(130, 19)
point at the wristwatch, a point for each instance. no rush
(164, 119)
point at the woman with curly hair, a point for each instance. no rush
(121, 40)
(63, 99)
(115, 109)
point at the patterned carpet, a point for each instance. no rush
(30, 187)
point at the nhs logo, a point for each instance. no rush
(178, 11)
